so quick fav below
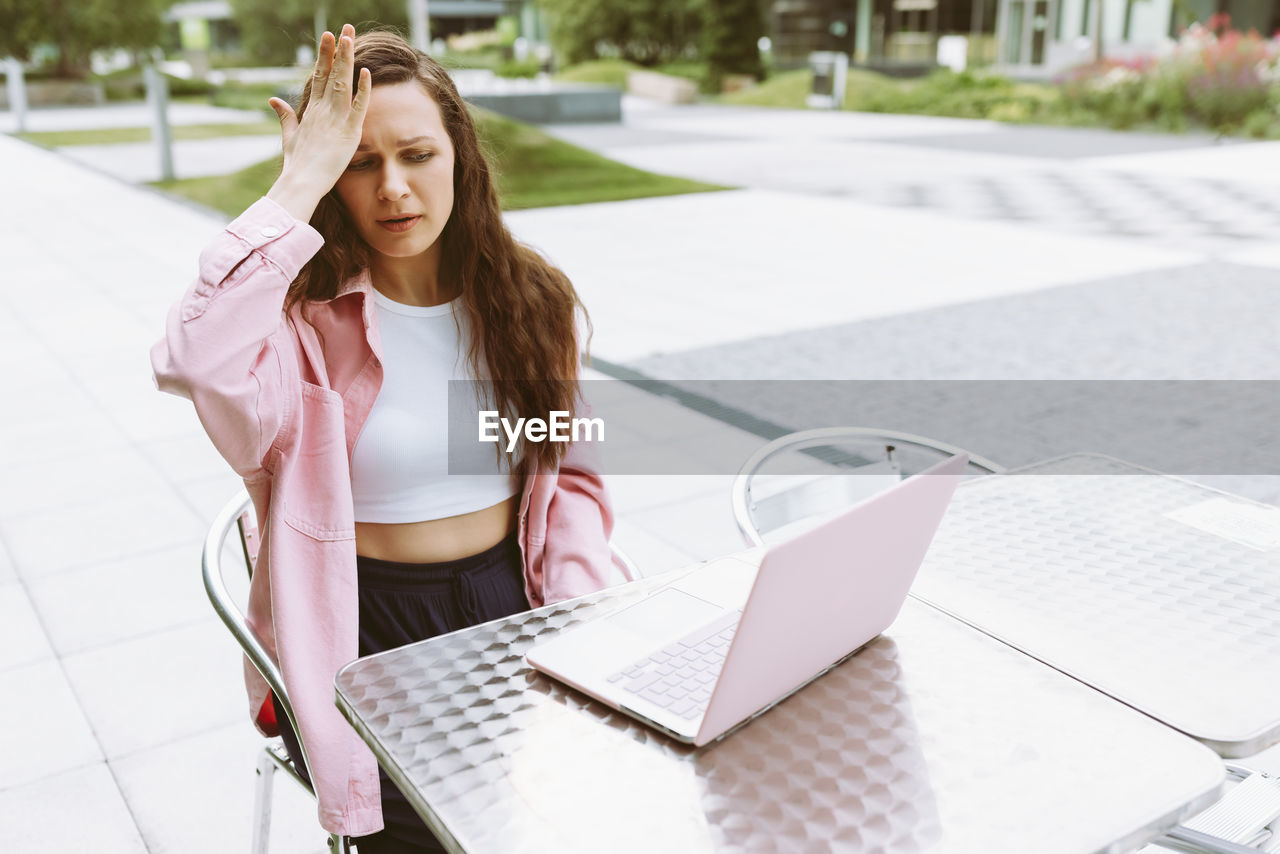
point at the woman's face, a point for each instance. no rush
(398, 188)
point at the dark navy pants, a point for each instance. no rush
(403, 602)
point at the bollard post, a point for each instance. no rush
(419, 25)
(320, 19)
(158, 100)
(17, 93)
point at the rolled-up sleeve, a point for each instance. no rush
(226, 347)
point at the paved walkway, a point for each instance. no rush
(129, 699)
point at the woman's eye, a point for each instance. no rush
(358, 165)
(418, 158)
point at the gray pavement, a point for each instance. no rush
(814, 270)
(123, 115)
(139, 163)
(1181, 191)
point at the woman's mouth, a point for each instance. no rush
(401, 224)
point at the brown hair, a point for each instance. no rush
(520, 308)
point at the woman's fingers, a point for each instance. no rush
(288, 119)
(344, 61)
(360, 103)
(324, 62)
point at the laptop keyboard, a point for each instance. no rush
(680, 677)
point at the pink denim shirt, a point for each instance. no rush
(284, 400)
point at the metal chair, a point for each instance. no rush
(237, 515)
(827, 469)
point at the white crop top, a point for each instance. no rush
(400, 463)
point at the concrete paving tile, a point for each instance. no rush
(777, 292)
(32, 371)
(187, 458)
(158, 787)
(125, 115)
(124, 361)
(91, 321)
(78, 478)
(138, 162)
(80, 810)
(207, 495)
(22, 638)
(1261, 256)
(52, 436)
(765, 123)
(702, 527)
(7, 573)
(1249, 163)
(47, 541)
(47, 404)
(151, 690)
(631, 493)
(18, 344)
(651, 555)
(102, 604)
(42, 728)
(146, 415)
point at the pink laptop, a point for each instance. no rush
(727, 641)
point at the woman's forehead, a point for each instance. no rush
(402, 111)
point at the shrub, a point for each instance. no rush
(518, 68)
(609, 72)
(1214, 75)
(645, 32)
(127, 85)
(1262, 123)
(731, 32)
(1225, 81)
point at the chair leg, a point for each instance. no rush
(262, 804)
(339, 844)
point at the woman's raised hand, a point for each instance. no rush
(318, 148)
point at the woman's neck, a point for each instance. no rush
(412, 281)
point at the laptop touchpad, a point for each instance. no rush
(666, 614)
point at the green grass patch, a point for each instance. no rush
(533, 170)
(230, 194)
(252, 96)
(108, 136)
(606, 72)
(785, 89)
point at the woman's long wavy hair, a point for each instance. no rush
(520, 308)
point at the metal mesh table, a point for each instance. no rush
(1160, 592)
(934, 738)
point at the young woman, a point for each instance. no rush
(317, 345)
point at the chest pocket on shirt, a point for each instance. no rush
(318, 495)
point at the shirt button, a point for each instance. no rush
(270, 231)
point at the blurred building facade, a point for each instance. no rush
(1036, 38)
(1027, 38)
(896, 36)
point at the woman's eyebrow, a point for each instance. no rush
(401, 143)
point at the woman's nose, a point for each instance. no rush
(393, 184)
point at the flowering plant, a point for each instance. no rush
(1214, 74)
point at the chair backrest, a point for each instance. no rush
(630, 571)
(827, 469)
(237, 515)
